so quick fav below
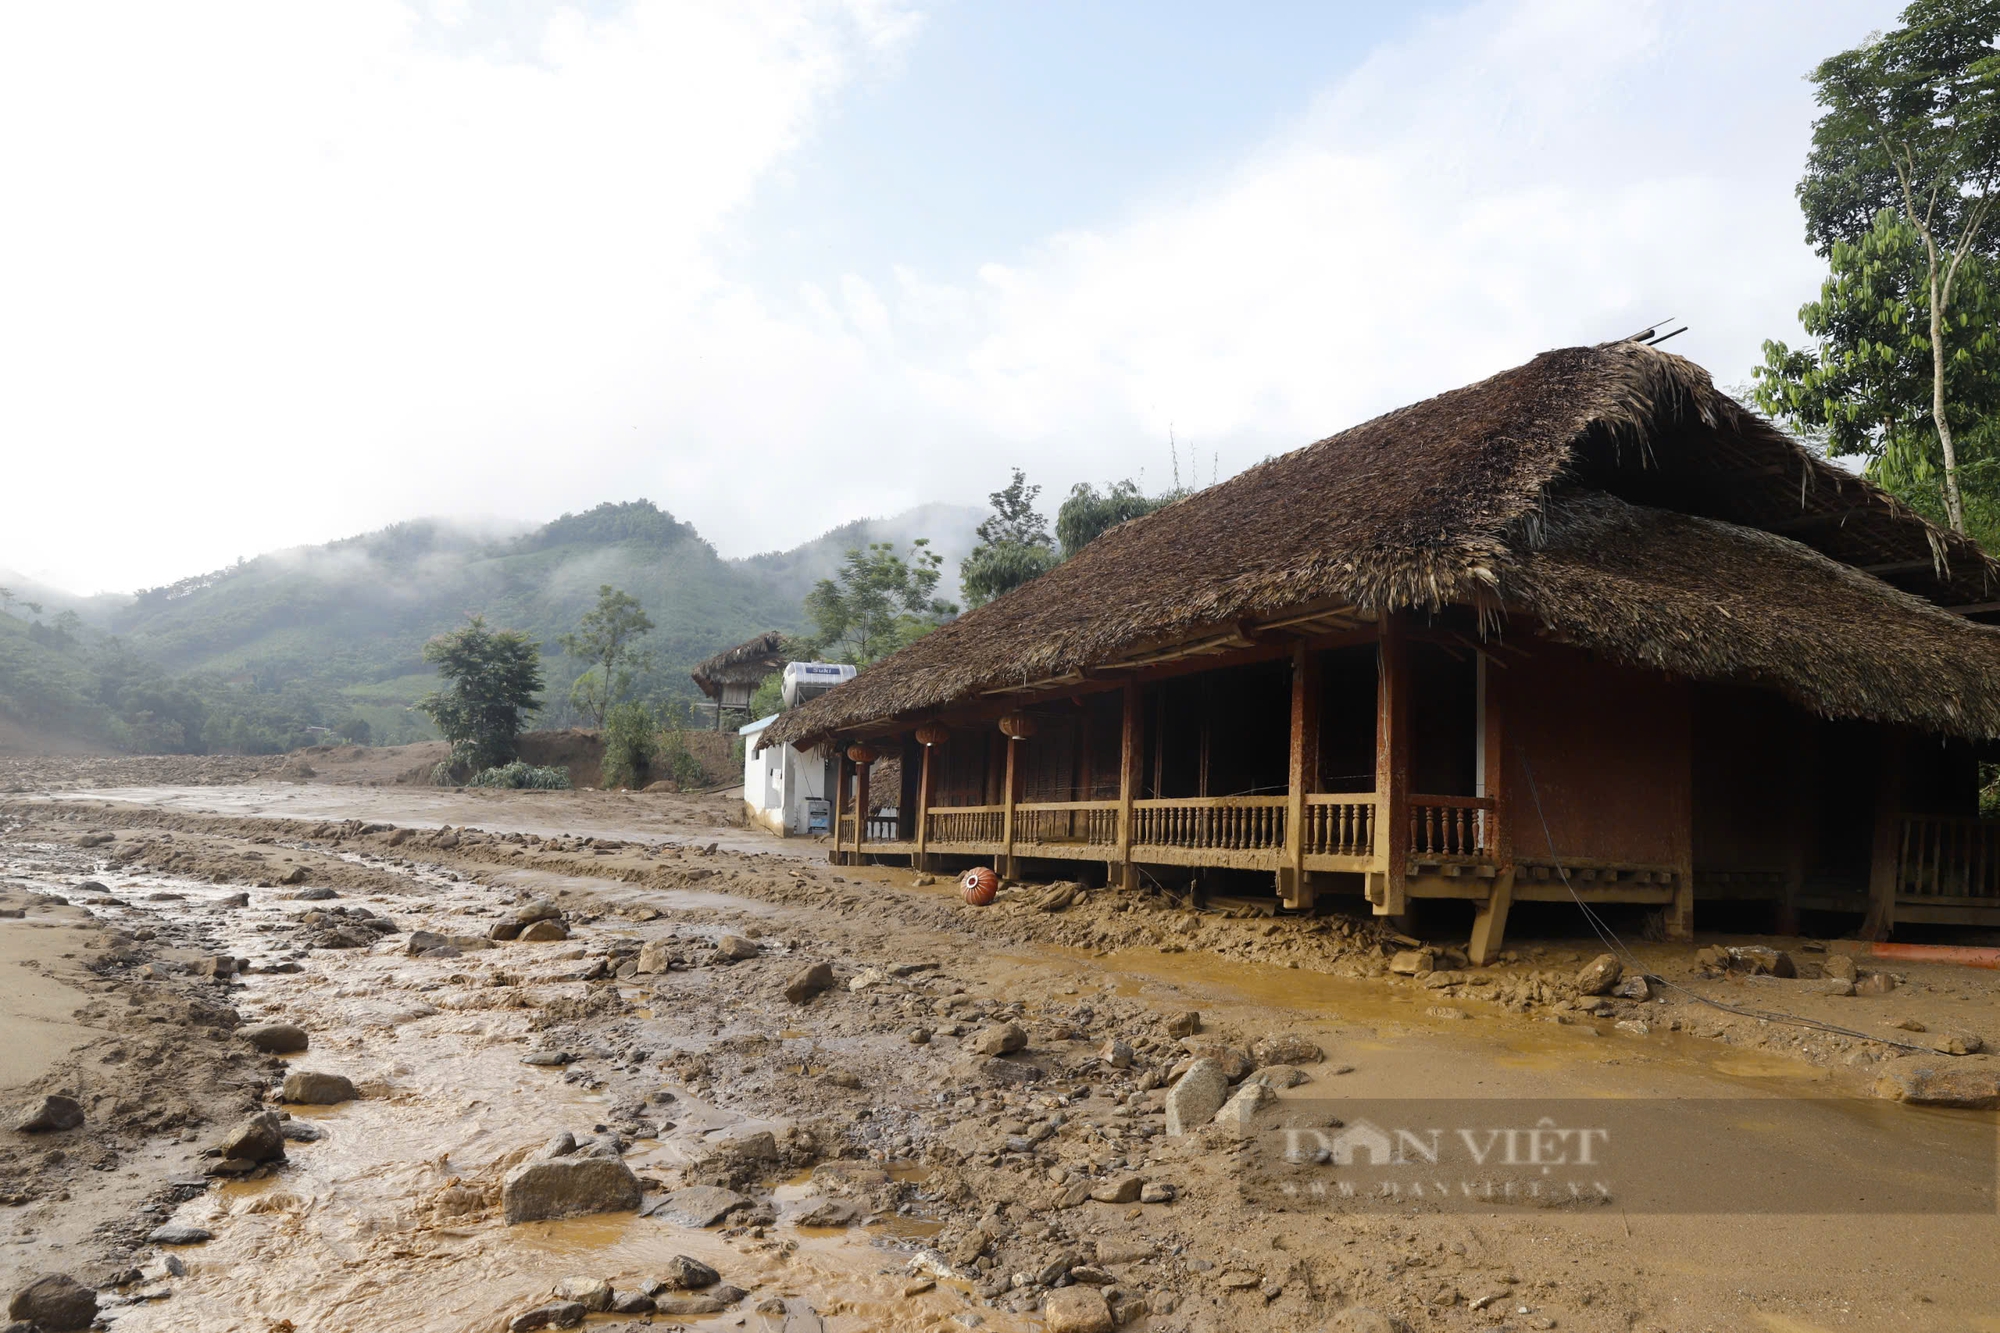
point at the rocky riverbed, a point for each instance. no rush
(845, 1099)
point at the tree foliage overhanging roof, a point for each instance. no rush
(1609, 495)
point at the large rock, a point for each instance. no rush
(556, 1314)
(1236, 1065)
(541, 909)
(1599, 975)
(685, 1274)
(656, 956)
(277, 1038)
(258, 1139)
(698, 1205)
(1841, 966)
(1286, 1048)
(546, 931)
(592, 1293)
(1927, 1081)
(1875, 983)
(736, 949)
(1412, 962)
(310, 1088)
(45, 1114)
(1077, 1310)
(57, 1303)
(1000, 1039)
(1762, 960)
(1194, 1100)
(568, 1187)
(1121, 1189)
(1239, 1113)
(807, 982)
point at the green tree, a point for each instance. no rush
(604, 639)
(492, 678)
(631, 745)
(1089, 513)
(1014, 545)
(879, 603)
(1865, 385)
(1911, 122)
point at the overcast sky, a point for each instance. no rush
(274, 273)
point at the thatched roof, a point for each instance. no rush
(745, 664)
(1610, 493)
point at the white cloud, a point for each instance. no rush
(271, 276)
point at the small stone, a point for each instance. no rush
(1281, 1076)
(1633, 987)
(1000, 1039)
(1078, 1309)
(1124, 1189)
(568, 1187)
(505, 931)
(315, 1089)
(656, 956)
(1115, 1053)
(1832, 986)
(1286, 1048)
(1762, 960)
(1958, 1043)
(1155, 1191)
(300, 1131)
(178, 1233)
(422, 942)
(1599, 975)
(919, 1287)
(276, 1038)
(685, 1274)
(1184, 1024)
(1195, 1099)
(1412, 962)
(1841, 966)
(546, 1058)
(736, 949)
(867, 979)
(1239, 1113)
(830, 1213)
(809, 981)
(920, 1036)
(541, 909)
(689, 1305)
(318, 894)
(632, 1302)
(48, 1114)
(546, 931)
(1236, 1065)
(57, 1303)
(592, 1293)
(556, 1314)
(1875, 984)
(1632, 1026)
(260, 1138)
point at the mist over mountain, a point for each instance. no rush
(254, 655)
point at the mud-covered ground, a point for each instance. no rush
(899, 1168)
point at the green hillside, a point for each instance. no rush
(270, 653)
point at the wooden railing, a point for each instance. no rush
(1338, 825)
(843, 832)
(1223, 823)
(1943, 857)
(966, 823)
(1091, 823)
(1459, 827)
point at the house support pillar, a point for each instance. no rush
(838, 856)
(1124, 873)
(923, 829)
(861, 771)
(1012, 780)
(1388, 886)
(1489, 922)
(1293, 889)
(1886, 857)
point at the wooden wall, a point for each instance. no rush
(1750, 764)
(1608, 750)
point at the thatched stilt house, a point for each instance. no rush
(731, 676)
(1588, 626)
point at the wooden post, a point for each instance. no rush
(860, 807)
(924, 812)
(839, 798)
(1304, 776)
(1131, 753)
(1799, 830)
(1006, 866)
(1886, 858)
(1680, 912)
(1388, 886)
(1489, 922)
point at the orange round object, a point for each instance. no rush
(979, 885)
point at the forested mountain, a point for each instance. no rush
(254, 655)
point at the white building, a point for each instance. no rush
(785, 791)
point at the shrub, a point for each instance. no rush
(678, 762)
(521, 774)
(630, 746)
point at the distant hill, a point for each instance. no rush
(320, 635)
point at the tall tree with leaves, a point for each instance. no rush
(604, 638)
(1911, 122)
(1014, 545)
(492, 678)
(1089, 513)
(880, 602)
(1866, 385)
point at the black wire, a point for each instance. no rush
(1618, 950)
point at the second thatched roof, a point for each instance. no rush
(1610, 493)
(745, 664)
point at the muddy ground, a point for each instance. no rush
(895, 1174)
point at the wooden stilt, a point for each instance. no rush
(839, 856)
(1130, 753)
(1886, 856)
(860, 809)
(1010, 788)
(1388, 887)
(924, 812)
(1292, 885)
(1489, 923)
